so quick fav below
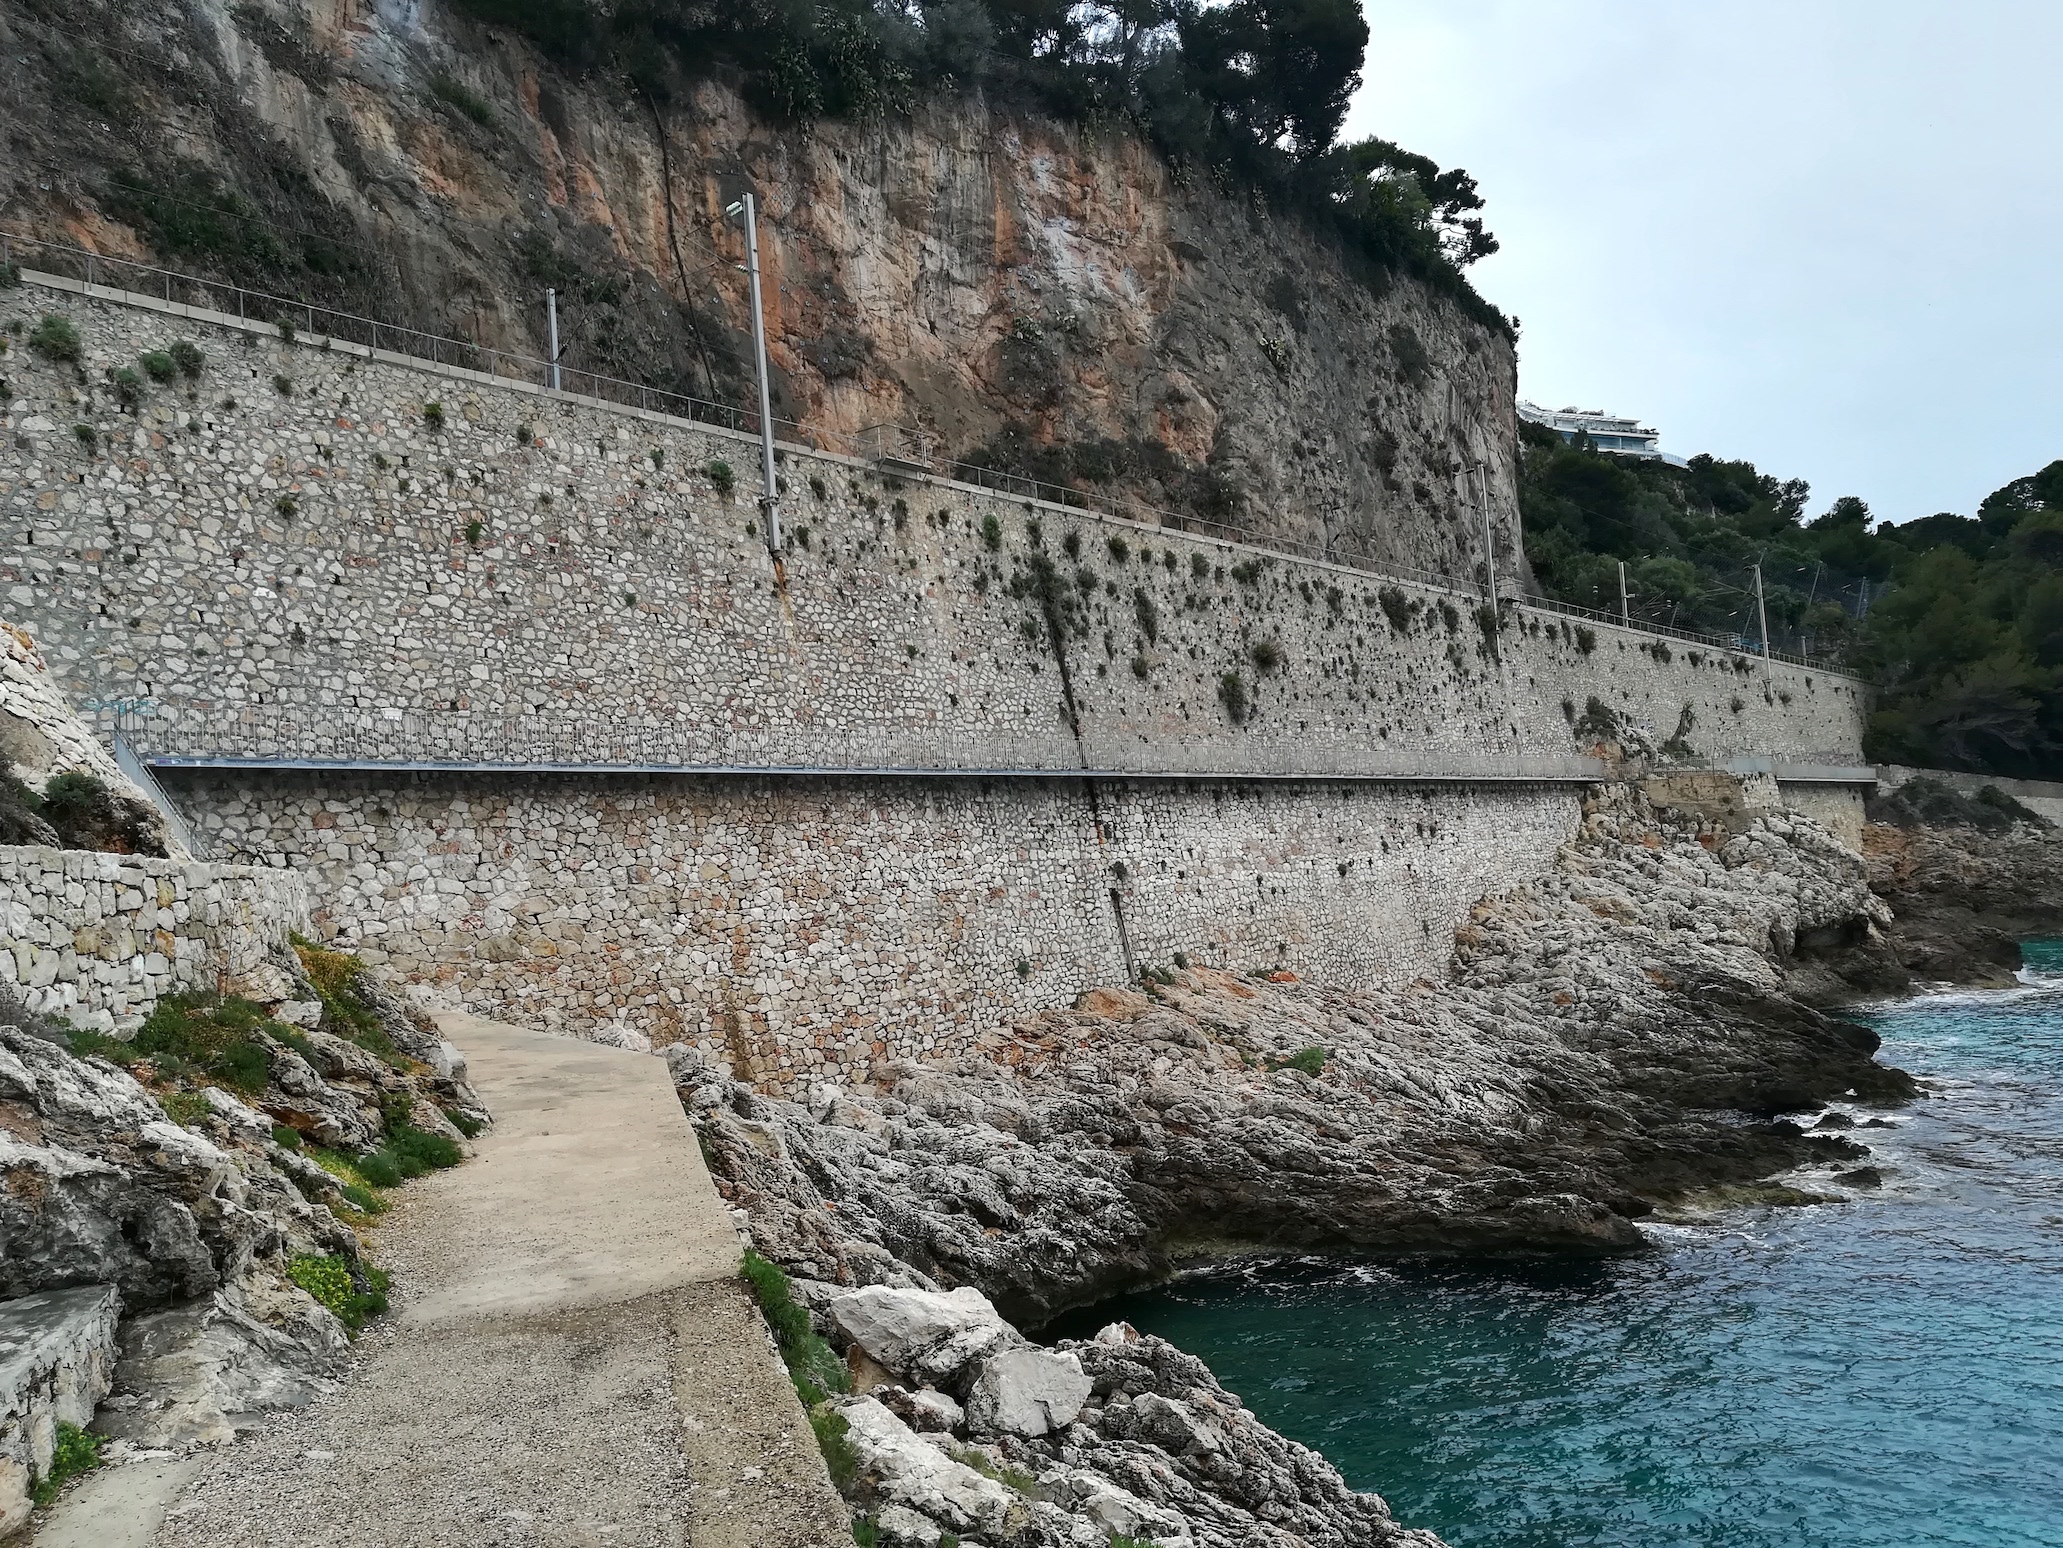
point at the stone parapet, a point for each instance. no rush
(97, 938)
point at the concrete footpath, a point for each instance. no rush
(573, 1362)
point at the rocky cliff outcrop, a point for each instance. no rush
(987, 283)
(1563, 1080)
(136, 1166)
(1967, 880)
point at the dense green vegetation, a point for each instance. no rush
(1958, 619)
(1248, 93)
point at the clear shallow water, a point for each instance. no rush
(1887, 1372)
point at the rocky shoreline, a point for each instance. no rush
(1612, 1038)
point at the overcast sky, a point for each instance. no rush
(1823, 235)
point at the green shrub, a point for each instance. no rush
(335, 975)
(1232, 694)
(286, 329)
(464, 1122)
(433, 415)
(721, 476)
(88, 1044)
(158, 366)
(287, 506)
(812, 1364)
(840, 1460)
(992, 531)
(283, 385)
(355, 1292)
(1009, 1477)
(218, 1034)
(469, 102)
(188, 357)
(75, 1452)
(1267, 656)
(54, 338)
(188, 1109)
(1586, 639)
(1309, 1060)
(286, 1138)
(128, 386)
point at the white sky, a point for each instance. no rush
(1824, 235)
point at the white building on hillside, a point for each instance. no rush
(1607, 432)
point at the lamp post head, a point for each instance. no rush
(735, 208)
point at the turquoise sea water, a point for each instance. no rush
(1886, 1372)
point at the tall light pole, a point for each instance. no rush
(746, 210)
(551, 328)
(1762, 617)
(1625, 611)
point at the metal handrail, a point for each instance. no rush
(910, 455)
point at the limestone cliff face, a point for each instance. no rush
(989, 285)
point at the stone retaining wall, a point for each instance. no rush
(807, 927)
(314, 551)
(97, 938)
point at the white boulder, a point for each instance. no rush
(1029, 1392)
(928, 1333)
(912, 1472)
(1118, 1511)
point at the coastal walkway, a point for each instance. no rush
(573, 1361)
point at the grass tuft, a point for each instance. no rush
(355, 1292)
(75, 1452)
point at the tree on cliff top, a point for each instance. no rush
(1957, 619)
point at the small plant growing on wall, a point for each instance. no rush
(286, 329)
(720, 476)
(991, 531)
(287, 507)
(1586, 639)
(1023, 968)
(1232, 694)
(89, 438)
(159, 366)
(188, 357)
(475, 530)
(658, 458)
(1140, 668)
(55, 338)
(1267, 656)
(128, 387)
(1120, 550)
(819, 488)
(283, 385)
(433, 415)
(523, 435)
(1147, 614)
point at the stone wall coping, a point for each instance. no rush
(1788, 773)
(346, 347)
(1520, 771)
(98, 865)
